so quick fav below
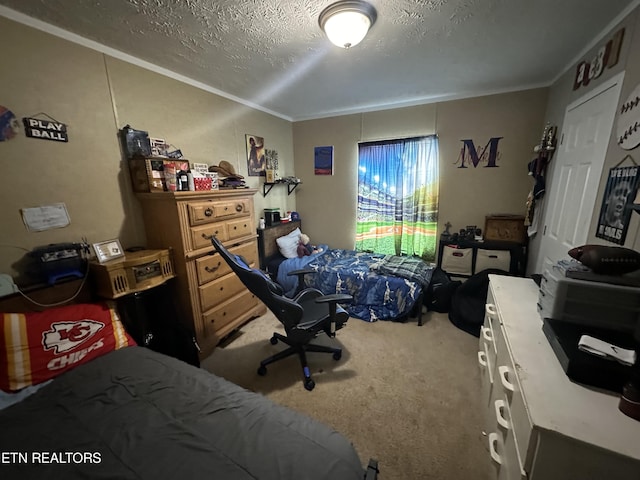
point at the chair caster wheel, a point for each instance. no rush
(262, 370)
(273, 340)
(337, 355)
(309, 384)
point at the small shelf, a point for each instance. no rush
(266, 187)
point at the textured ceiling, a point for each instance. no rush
(271, 53)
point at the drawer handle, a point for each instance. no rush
(491, 309)
(500, 408)
(542, 293)
(239, 208)
(208, 212)
(482, 358)
(493, 448)
(504, 378)
(209, 237)
(486, 334)
(212, 269)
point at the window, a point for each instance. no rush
(397, 209)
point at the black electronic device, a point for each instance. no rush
(583, 367)
(272, 216)
(61, 260)
(135, 143)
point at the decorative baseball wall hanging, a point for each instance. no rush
(8, 124)
(629, 121)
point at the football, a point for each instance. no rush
(606, 260)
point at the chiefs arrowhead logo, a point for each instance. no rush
(65, 336)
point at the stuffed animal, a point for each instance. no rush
(305, 248)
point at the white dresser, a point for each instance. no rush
(539, 424)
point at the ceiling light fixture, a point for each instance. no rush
(347, 22)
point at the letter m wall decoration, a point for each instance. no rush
(488, 154)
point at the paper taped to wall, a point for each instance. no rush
(47, 217)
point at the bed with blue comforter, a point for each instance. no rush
(383, 287)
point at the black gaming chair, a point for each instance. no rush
(304, 316)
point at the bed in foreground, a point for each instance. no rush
(133, 413)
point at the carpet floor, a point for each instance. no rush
(406, 395)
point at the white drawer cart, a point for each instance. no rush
(539, 424)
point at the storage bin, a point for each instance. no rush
(485, 259)
(457, 260)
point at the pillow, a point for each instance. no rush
(288, 244)
(36, 347)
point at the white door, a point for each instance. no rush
(578, 167)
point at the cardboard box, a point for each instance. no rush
(505, 228)
(147, 174)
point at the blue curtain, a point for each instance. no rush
(397, 210)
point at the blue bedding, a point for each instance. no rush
(375, 296)
(290, 283)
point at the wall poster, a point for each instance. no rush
(255, 156)
(323, 160)
(615, 213)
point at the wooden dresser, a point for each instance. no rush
(540, 425)
(212, 299)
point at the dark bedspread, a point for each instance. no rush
(144, 415)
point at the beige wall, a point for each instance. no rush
(95, 95)
(561, 95)
(327, 204)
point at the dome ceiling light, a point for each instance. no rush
(347, 22)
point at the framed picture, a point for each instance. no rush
(159, 147)
(256, 164)
(323, 160)
(619, 194)
(108, 250)
(270, 176)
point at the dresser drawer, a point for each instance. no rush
(213, 266)
(239, 228)
(507, 383)
(208, 212)
(504, 444)
(228, 311)
(201, 236)
(213, 293)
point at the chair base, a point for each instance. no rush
(300, 350)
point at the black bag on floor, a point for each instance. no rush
(440, 292)
(467, 305)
